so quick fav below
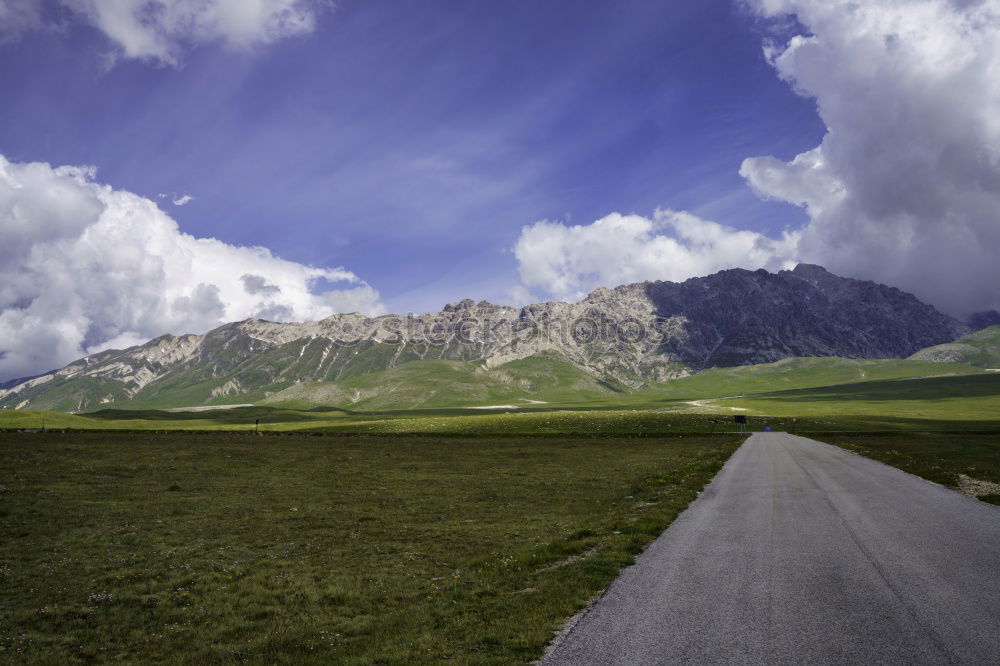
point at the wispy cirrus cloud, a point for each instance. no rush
(158, 31)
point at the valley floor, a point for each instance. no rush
(228, 547)
(270, 533)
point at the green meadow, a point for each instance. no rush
(967, 460)
(197, 548)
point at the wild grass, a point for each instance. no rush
(941, 457)
(535, 422)
(958, 398)
(796, 373)
(228, 547)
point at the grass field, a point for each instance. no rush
(794, 374)
(597, 423)
(949, 458)
(969, 397)
(409, 535)
(229, 547)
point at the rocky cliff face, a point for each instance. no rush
(634, 334)
(738, 317)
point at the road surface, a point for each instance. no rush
(801, 552)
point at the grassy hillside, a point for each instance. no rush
(794, 373)
(295, 375)
(554, 381)
(64, 395)
(435, 384)
(970, 397)
(548, 394)
(981, 349)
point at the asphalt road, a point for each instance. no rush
(801, 552)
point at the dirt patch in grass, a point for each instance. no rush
(572, 559)
(977, 487)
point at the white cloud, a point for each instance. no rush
(519, 296)
(84, 267)
(17, 16)
(182, 200)
(570, 261)
(159, 30)
(905, 187)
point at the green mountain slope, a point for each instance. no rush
(981, 349)
(973, 397)
(432, 384)
(229, 365)
(232, 365)
(553, 381)
(794, 373)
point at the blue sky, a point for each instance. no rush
(411, 141)
(375, 155)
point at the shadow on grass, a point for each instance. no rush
(929, 389)
(233, 416)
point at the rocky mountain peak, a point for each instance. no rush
(632, 334)
(812, 271)
(463, 305)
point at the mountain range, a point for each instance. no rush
(613, 341)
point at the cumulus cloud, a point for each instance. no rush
(905, 186)
(568, 262)
(159, 30)
(182, 200)
(84, 267)
(258, 284)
